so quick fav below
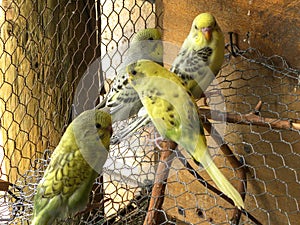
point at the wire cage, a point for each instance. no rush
(54, 58)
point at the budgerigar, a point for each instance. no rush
(174, 113)
(122, 99)
(199, 60)
(75, 163)
(201, 55)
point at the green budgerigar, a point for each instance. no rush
(122, 99)
(175, 115)
(75, 164)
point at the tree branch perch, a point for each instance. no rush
(250, 118)
(158, 190)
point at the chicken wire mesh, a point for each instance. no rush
(263, 136)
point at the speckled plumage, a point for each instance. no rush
(122, 99)
(75, 163)
(201, 55)
(174, 113)
(199, 60)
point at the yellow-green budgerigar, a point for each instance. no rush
(75, 164)
(174, 113)
(201, 55)
(122, 99)
(199, 60)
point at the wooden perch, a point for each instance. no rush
(236, 164)
(250, 118)
(257, 108)
(158, 190)
(4, 185)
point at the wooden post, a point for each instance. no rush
(45, 47)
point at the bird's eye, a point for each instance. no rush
(151, 38)
(98, 125)
(133, 72)
(196, 27)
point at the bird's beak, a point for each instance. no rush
(207, 32)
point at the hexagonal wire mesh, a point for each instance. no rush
(264, 139)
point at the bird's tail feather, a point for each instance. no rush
(221, 181)
(127, 131)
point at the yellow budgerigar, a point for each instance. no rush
(122, 99)
(75, 164)
(201, 55)
(174, 113)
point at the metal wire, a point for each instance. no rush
(122, 194)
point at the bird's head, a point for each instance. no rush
(134, 71)
(203, 26)
(143, 73)
(92, 127)
(147, 44)
(148, 34)
(103, 125)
